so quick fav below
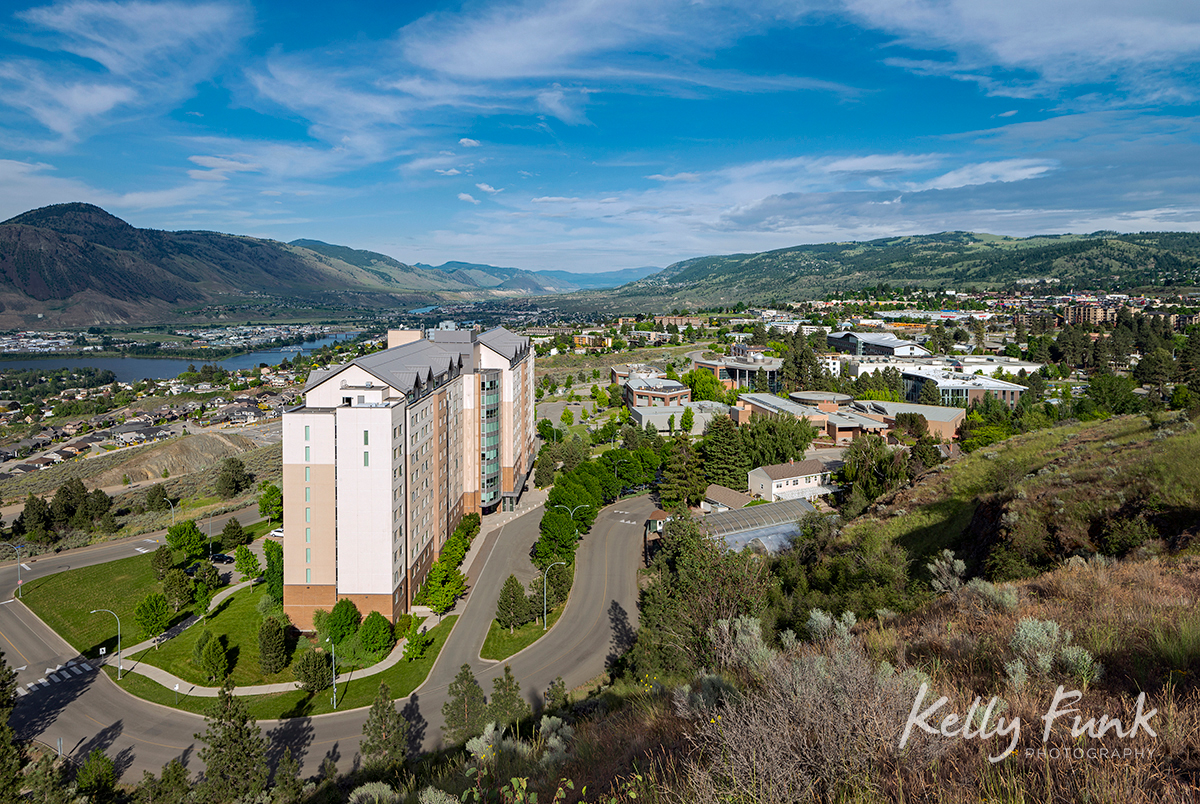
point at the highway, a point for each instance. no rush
(86, 710)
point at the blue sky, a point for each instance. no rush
(605, 134)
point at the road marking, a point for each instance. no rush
(43, 682)
(76, 671)
(152, 541)
(86, 666)
(21, 692)
(10, 600)
(26, 567)
(14, 647)
(19, 669)
(55, 678)
(142, 549)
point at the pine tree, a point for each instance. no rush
(513, 608)
(683, 480)
(233, 534)
(385, 734)
(288, 784)
(466, 711)
(47, 782)
(234, 752)
(97, 779)
(172, 788)
(930, 395)
(177, 586)
(272, 647)
(214, 661)
(10, 753)
(161, 562)
(724, 460)
(507, 705)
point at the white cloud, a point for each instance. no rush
(674, 177)
(987, 172)
(218, 168)
(468, 198)
(467, 142)
(487, 188)
(450, 172)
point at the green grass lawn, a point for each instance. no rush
(500, 644)
(65, 600)
(402, 678)
(235, 621)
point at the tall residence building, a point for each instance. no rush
(388, 453)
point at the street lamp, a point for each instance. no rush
(545, 576)
(573, 510)
(333, 668)
(172, 510)
(16, 549)
(210, 513)
(113, 613)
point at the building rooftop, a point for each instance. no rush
(786, 471)
(771, 526)
(727, 497)
(930, 412)
(778, 404)
(654, 384)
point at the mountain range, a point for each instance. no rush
(76, 265)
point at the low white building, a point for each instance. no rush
(791, 481)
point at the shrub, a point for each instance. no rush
(947, 572)
(1038, 642)
(320, 621)
(376, 633)
(822, 625)
(1002, 599)
(1122, 535)
(1017, 674)
(198, 647)
(1078, 663)
(343, 620)
(313, 670)
(373, 793)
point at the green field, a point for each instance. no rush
(402, 678)
(500, 644)
(65, 600)
(235, 621)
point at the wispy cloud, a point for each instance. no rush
(487, 188)
(468, 198)
(467, 142)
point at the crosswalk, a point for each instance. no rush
(628, 521)
(55, 675)
(146, 549)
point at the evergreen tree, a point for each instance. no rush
(466, 712)
(208, 575)
(513, 608)
(47, 782)
(10, 753)
(683, 479)
(234, 752)
(384, 744)
(724, 460)
(343, 621)
(161, 561)
(687, 421)
(272, 647)
(187, 538)
(97, 779)
(507, 705)
(157, 498)
(173, 788)
(289, 787)
(34, 521)
(214, 661)
(177, 586)
(233, 478)
(930, 395)
(232, 534)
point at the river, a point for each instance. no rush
(132, 369)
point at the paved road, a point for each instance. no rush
(87, 710)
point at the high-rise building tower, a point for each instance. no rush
(388, 453)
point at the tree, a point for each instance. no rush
(557, 540)
(384, 745)
(97, 779)
(34, 521)
(314, 670)
(234, 752)
(466, 711)
(214, 660)
(704, 385)
(177, 586)
(683, 480)
(272, 647)
(507, 705)
(156, 498)
(724, 459)
(10, 752)
(513, 607)
(375, 633)
(270, 502)
(446, 584)
(274, 572)
(232, 478)
(289, 787)
(567, 418)
(245, 562)
(161, 561)
(930, 395)
(687, 421)
(343, 621)
(232, 534)
(416, 642)
(152, 614)
(208, 575)
(187, 539)
(47, 783)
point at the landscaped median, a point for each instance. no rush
(402, 678)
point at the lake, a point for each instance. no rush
(132, 369)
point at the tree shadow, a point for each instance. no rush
(295, 733)
(417, 725)
(101, 740)
(623, 634)
(302, 709)
(40, 707)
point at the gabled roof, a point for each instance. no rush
(782, 471)
(504, 342)
(726, 496)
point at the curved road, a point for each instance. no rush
(86, 709)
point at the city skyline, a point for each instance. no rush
(599, 136)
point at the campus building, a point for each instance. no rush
(386, 455)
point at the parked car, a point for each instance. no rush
(191, 571)
(276, 534)
(222, 558)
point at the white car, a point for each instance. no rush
(276, 534)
